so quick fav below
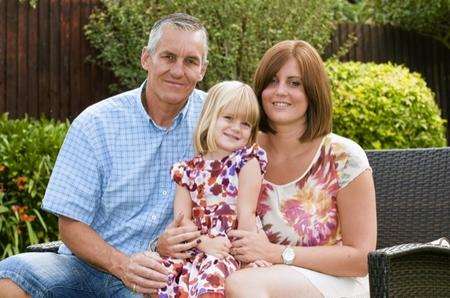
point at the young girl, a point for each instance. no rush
(218, 189)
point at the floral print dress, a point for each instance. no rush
(213, 186)
(304, 212)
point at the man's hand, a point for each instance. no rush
(144, 273)
(218, 246)
(176, 241)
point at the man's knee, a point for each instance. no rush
(10, 289)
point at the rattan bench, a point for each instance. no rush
(413, 207)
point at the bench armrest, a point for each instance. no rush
(410, 270)
(45, 247)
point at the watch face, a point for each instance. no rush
(288, 255)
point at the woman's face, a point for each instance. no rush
(284, 99)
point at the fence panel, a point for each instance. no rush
(43, 66)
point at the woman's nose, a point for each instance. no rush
(281, 89)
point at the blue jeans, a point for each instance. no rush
(59, 275)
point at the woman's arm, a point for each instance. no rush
(357, 215)
(250, 179)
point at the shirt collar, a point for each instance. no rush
(177, 119)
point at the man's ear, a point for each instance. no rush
(145, 58)
(203, 72)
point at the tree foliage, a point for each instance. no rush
(240, 31)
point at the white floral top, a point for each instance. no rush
(304, 212)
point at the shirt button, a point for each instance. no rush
(153, 217)
(164, 193)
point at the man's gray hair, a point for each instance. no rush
(182, 22)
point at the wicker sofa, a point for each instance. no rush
(413, 207)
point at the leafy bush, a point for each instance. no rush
(384, 106)
(239, 31)
(28, 149)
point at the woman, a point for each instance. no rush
(317, 202)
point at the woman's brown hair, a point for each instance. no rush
(314, 79)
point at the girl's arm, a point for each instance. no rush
(250, 179)
(183, 204)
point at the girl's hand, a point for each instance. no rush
(249, 247)
(218, 246)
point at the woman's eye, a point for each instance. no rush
(296, 83)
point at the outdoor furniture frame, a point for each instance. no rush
(413, 207)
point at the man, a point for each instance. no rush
(111, 187)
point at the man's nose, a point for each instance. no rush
(177, 69)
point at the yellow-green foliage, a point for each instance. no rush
(384, 106)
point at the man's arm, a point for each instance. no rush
(142, 272)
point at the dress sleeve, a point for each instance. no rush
(352, 161)
(247, 153)
(180, 174)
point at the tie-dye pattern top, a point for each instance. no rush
(304, 211)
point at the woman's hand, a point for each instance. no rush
(249, 247)
(258, 263)
(218, 246)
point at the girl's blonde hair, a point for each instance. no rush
(236, 96)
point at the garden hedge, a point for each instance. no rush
(28, 149)
(384, 106)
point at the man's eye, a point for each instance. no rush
(169, 57)
(192, 61)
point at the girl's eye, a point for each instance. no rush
(227, 117)
(246, 124)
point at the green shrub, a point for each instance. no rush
(239, 32)
(28, 149)
(384, 106)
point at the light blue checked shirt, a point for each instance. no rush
(113, 170)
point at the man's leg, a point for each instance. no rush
(46, 274)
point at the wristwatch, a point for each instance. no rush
(288, 255)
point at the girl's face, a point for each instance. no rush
(231, 132)
(284, 99)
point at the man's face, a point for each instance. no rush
(174, 68)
